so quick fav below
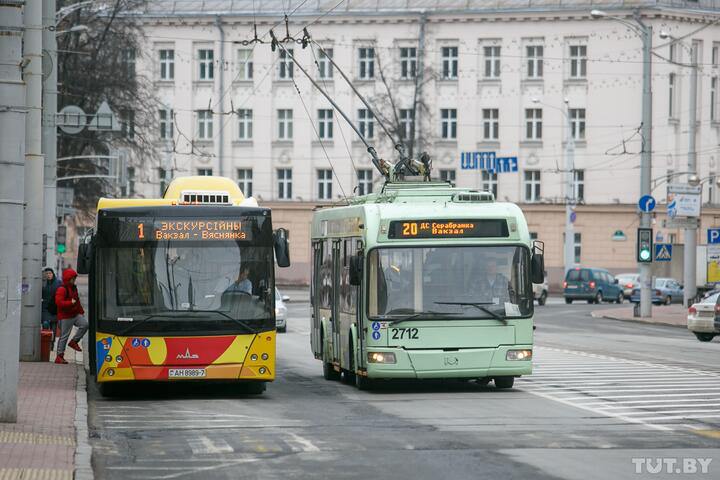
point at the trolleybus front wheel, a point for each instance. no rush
(255, 388)
(108, 389)
(504, 382)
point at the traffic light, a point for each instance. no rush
(61, 238)
(644, 245)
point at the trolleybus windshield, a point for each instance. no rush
(450, 282)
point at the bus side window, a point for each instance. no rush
(326, 286)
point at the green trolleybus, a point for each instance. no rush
(423, 280)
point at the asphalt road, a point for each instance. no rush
(608, 399)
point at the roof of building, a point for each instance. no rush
(359, 7)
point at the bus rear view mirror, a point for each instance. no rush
(537, 263)
(356, 270)
(83, 258)
(282, 248)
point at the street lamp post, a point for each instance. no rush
(644, 31)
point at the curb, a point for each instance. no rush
(632, 320)
(83, 450)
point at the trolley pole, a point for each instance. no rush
(34, 166)
(12, 163)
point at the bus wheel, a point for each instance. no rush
(329, 372)
(504, 382)
(363, 383)
(483, 381)
(255, 388)
(704, 337)
(107, 389)
(349, 374)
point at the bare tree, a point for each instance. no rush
(96, 63)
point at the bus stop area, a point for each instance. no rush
(675, 315)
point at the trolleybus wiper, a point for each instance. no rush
(418, 315)
(140, 322)
(238, 321)
(479, 305)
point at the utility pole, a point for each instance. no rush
(569, 246)
(12, 164)
(34, 165)
(690, 252)
(419, 77)
(49, 134)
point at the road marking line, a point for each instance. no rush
(625, 402)
(630, 389)
(680, 417)
(655, 395)
(202, 445)
(306, 445)
(633, 407)
(672, 412)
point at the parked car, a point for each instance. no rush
(704, 317)
(540, 292)
(592, 284)
(628, 281)
(664, 292)
(280, 311)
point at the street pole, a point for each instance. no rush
(34, 165)
(646, 160)
(49, 134)
(12, 165)
(690, 250)
(569, 250)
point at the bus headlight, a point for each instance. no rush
(381, 357)
(518, 355)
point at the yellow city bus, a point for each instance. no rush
(183, 288)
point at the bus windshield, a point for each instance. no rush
(450, 282)
(186, 284)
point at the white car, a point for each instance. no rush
(704, 318)
(280, 311)
(540, 292)
(628, 281)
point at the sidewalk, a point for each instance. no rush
(52, 404)
(675, 315)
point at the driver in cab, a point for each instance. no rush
(242, 284)
(491, 284)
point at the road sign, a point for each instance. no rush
(506, 164)
(646, 203)
(713, 235)
(477, 161)
(683, 200)
(663, 252)
(71, 119)
(573, 217)
(682, 222)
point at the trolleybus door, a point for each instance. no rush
(334, 307)
(315, 292)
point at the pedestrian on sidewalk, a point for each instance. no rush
(70, 314)
(49, 310)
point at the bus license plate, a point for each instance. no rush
(186, 373)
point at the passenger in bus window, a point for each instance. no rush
(243, 283)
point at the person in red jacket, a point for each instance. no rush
(69, 314)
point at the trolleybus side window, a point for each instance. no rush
(326, 283)
(348, 293)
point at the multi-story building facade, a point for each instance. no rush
(503, 78)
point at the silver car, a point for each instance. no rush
(628, 281)
(280, 311)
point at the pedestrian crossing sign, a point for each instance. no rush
(663, 252)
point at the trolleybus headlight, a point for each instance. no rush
(518, 355)
(253, 357)
(381, 357)
(264, 356)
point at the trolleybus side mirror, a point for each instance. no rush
(356, 270)
(282, 248)
(537, 263)
(83, 258)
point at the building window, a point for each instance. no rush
(579, 185)
(447, 176)
(534, 61)
(163, 180)
(245, 124)
(669, 177)
(578, 61)
(449, 63)
(167, 64)
(714, 99)
(532, 185)
(365, 181)
(128, 190)
(285, 65)
(325, 69)
(204, 172)
(492, 62)
(366, 123)
(204, 124)
(127, 123)
(325, 124)
(711, 188)
(577, 123)
(716, 55)
(448, 123)
(533, 124)
(671, 95)
(489, 182)
(128, 57)
(407, 120)
(245, 64)
(533, 236)
(408, 63)
(366, 63)
(285, 124)
(166, 124)
(284, 177)
(578, 247)
(207, 64)
(491, 123)
(324, 184)
(245, 181)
